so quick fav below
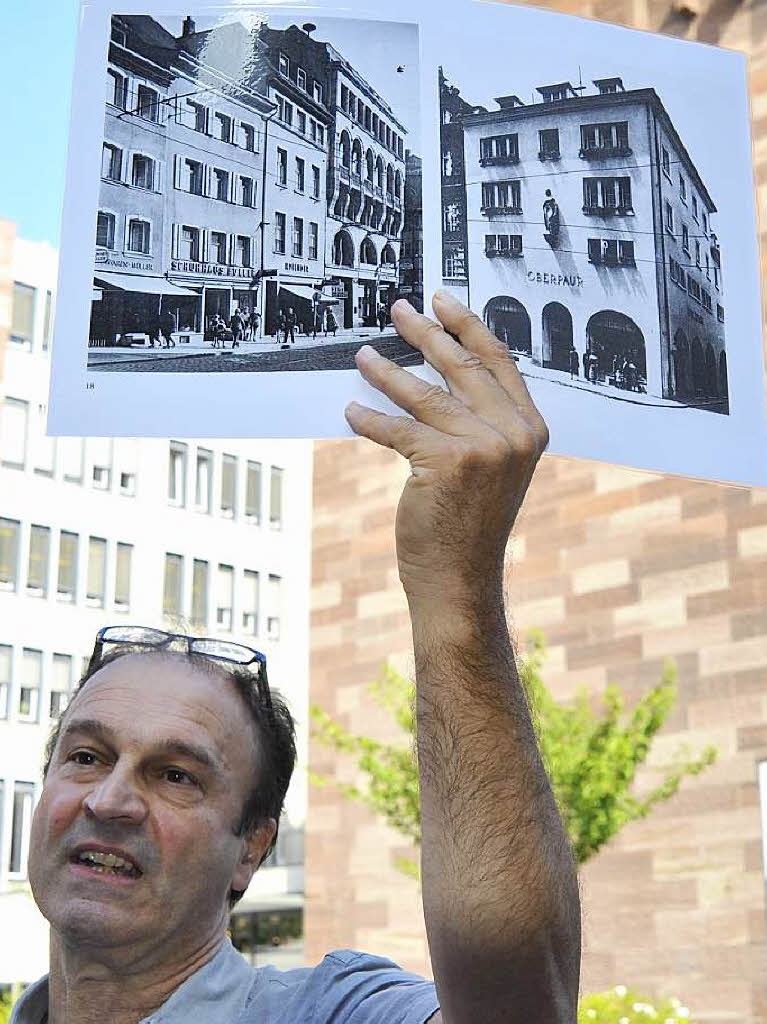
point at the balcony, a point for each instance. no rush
(609, 211)
(603, 152)
(379, 192)
(355, 181)
(492, 252)
(500, 211)
(549, 154)
(343, 173)
(367, 187)
(499, 161)
(397, 203)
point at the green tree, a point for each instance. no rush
(5, 1008)
(591, 755)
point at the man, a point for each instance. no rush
(168, 324)
(152, 818)
(290, 326)
(237, 328)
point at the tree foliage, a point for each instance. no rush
(591, 755)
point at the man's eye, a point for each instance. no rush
(83, 757)
(179, 777)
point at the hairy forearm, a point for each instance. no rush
(499, 886)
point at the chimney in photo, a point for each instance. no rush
(189, 27)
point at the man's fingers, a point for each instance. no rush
(428, 403)
(401, 433)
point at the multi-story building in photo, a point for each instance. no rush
(365, 196)
(590, 226)
(455, 242)
(411, 249)
(209, 537)
(291, 70)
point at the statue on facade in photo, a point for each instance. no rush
(550, 218)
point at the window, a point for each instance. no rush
(499, 149)
(279, 232)
(704, 221)
(31, 680)
(705, 298)
(669, 217)
(148, 103)
(248, 137)
(665, 161)
(48, 320)
(102, 463)
(61, 685)
(320, 135)
(282, 166)
(697, 253)
(607, 195)
(720, 313)
(21, 824)
(199, 593)
(13, 439)
(190, 243)
(23, 314)
(39, 552)
(275, 499)
(503, 245)
(285, 112)
(6, 654)
(67, 576)
(111, 162)
(682, 188)
(222, 184)
(626, 253)
(695, 207)
(122, 576)
(105, 230)
(693, 288)
(171, 592)
(300, 174)
(298, 236)
(97, 562)
(199, 116)
(452, 217)
(609, 139)
(224, 127)
(686, 239)
(313, 240)
(284, 64)
(195, 177)
(243, 251)
(274, 607)
(117, 89)
(454, 263)
(548, 148)
(128, 468)
(203, 480)
(139, 236)
(250, 602)
(501, 196)
(177, 473)
(317, 92)
(45, 447)
(708, 267)
(218, 247)
(315, 182)
(301, 79)
(9, 553)
(301, 121)
(73, 452)
(142, 174)
(253, 493)
(224, 596)
(228, 485)
(247, 197)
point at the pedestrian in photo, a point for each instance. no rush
(383, 317)
(255, 321)
(290, 326)
(282, 328)
(237, 328)
(331, 324)
(316, 321)
(245, 314)
(168, 326)
(154, 330)
(593, 367)
(573, 362)
(585, 360)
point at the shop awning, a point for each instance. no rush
(148, 284)
(301, 291)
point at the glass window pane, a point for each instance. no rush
(200, 593)
(45, 447)
(253, 492)
(6, 653)
(202, 481)
(39, 547)
(250, 603)
(275, 498)
(31, 679)
(23, 314)
(9, 553)
(72, 457)
(67, 581)
(224, 596)
(228, 485)
(274, 607)
(177, 473)
(122, 575)
(61, 684)
(21, 823)
(13, 433)
(97, 555)
(171, 601)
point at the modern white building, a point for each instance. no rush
(212, 536)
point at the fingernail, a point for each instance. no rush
(403, 306)
(446, 298)
(367, 351)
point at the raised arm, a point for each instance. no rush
(499, 886)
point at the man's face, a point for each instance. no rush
(153, 766)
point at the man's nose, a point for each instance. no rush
(117, 797)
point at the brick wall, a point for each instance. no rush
(620, 569)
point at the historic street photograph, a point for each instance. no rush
(579, 222)
(260, 203)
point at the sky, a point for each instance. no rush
(36, 60)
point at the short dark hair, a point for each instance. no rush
(275, 733)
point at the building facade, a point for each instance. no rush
(590, 228)
(209, 537)
(411, 250)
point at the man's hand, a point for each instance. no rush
(472, 448)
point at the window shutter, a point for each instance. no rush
(595, 250)
(174, 242)
(204, 247)
(178, 168)
(207, 180)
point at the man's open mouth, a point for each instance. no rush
(107, 863)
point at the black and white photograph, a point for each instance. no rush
(260, 196)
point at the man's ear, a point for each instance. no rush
(254, 844)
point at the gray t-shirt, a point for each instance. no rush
(348, 987)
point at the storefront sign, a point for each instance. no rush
(103, 259)
(211, 269)
(338, 291)
(296, 268)
(561, 280)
